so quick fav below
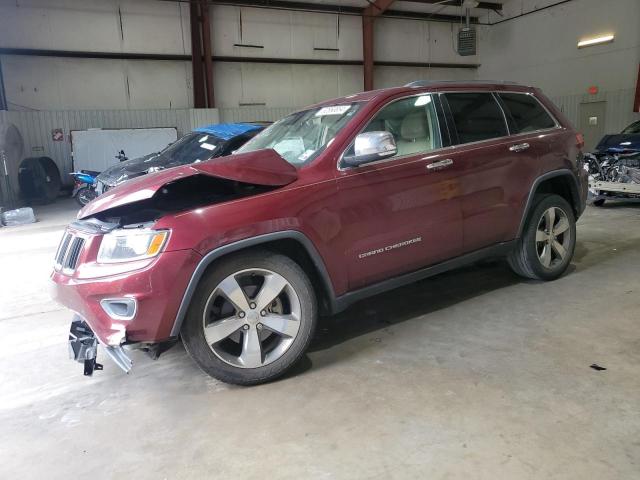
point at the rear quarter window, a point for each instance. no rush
(527, 115)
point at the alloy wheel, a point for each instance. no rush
(251, 318)
(553, 237)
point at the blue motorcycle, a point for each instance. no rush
(84, 186)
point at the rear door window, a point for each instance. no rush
(527, 115)
(476, 116)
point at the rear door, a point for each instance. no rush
(496, 168)
(399, 214)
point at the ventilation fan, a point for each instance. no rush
(467, 35)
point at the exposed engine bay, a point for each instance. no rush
(613, 175)
(179, 195)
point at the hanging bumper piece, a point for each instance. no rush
(83, 348)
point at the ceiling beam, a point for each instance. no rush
(330, 8)
(457, 3)
(220, 58)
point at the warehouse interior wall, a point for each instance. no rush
(155, 27)
(540, 49)
(523, 45)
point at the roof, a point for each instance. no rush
(426, 86)
(227, 131)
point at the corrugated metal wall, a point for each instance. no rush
(248, 114)
(37, 127)
(619, 108)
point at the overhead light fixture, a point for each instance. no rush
(595, 41)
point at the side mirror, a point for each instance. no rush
(371, 146)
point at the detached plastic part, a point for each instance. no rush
(83, 346)
(20, 216)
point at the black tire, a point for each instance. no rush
(524, 259)
(39, 180)
(598, 203)
(192, 331)
(85, 195)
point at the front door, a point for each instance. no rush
(399, 214)
(592, 123)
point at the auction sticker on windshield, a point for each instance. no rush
(334, 110)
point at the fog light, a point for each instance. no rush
(120, 308)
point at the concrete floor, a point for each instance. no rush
(472, 374)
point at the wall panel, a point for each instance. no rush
(36, 127)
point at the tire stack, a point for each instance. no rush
(35, 180)
(39, 180)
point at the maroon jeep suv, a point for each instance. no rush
(239, 255)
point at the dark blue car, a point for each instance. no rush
(202, 144)
(626, 141)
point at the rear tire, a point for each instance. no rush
(236, 332)
(546, 246)
(598, 203)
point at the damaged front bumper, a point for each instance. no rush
(83, 348)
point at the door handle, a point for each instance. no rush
(519, 147)
(447, 162)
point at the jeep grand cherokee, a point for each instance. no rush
(239, 255)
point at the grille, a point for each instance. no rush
(69, 252)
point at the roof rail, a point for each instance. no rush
(426, 83)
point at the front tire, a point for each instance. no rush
(85, 195)
(251, 319)
(545, 249)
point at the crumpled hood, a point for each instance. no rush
(262, 167)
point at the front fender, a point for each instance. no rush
(218, 252)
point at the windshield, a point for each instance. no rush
(300, 137)
(633, 128)
(194, 147)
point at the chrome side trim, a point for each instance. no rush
(519, 147)
(440, 164)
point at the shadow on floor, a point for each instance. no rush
(411, 301)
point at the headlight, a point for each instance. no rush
(128, 245)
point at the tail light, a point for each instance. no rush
(579, 140)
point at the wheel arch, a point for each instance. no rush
(291, 243)
(560, 182)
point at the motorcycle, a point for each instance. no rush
(84, 186)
